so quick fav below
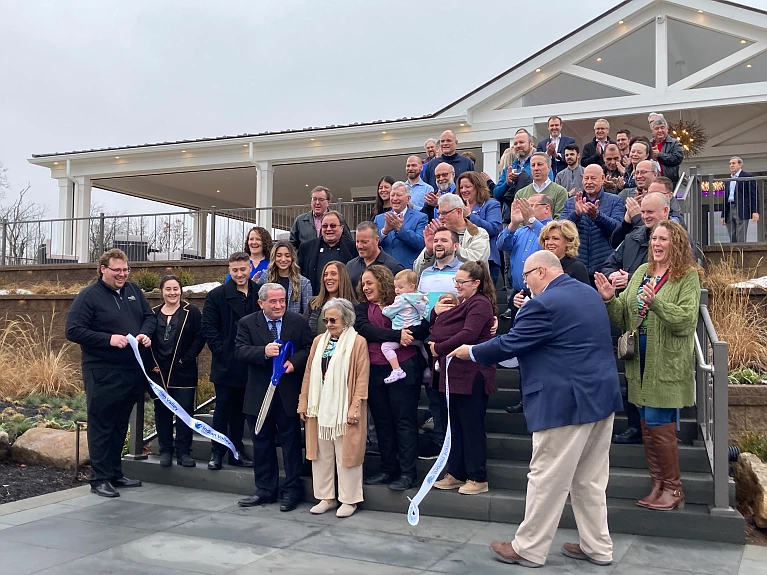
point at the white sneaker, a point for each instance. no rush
(395, 375)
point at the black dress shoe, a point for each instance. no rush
(166, 459)
(125, 482)
(378, 479)
(506, 314)
(215, 462)
(186, 460)
(288, 505)
(255, 500)
(631, 435)
(243, 461)
(402, 483)
(104, 489)
(516, 408)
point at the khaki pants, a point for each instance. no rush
(575, 460)
(324, 470)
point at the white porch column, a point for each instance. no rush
(199, 232)
(63, 240)
(490, 158)
(264, 194)
(82, 209)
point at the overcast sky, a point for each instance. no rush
(88, 74)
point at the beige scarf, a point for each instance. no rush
(329, 402)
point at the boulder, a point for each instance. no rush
(5, 445)
(51, 447)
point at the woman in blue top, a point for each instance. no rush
(483, 212)
(259, 245)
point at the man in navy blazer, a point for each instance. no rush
(555, 144)
(402, 228)
(570, 392)
(741, 202)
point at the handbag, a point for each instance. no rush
(627, 342)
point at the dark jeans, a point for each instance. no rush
(110, 394)
(438, 410)
(468, 450)
(163, 419)
(266, 471)
(228, 417)
(495, 271)
(395, 412)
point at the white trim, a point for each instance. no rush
(739, 129)
(608, 80)
(661, 53)
(719, 67)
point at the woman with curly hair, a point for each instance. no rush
(394, 406)
(283, 269)
(258, 245)
(660, 304)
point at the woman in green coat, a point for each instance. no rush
(665, 294)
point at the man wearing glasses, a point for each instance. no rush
(101, 317)
(332, 246)
(307, 227)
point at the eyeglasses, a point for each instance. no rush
(443, 176)
(329, 320)
(461, 282)
(330, 226)
(443, 214)
(319, 200)
(643, 172)
(528, 272)
(119, 270)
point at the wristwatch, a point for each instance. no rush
(531, 221)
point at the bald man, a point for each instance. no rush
(596, 214)
(448, 143)
(418, 188)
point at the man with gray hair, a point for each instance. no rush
(570, 392)
(741, 202)
(370, 252)
(401, 228)
(593, 151)
(261, 336)
(430, 146)
(666, 150)
(540, 166)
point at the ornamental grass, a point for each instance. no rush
(737, 319)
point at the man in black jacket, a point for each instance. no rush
(224, 307)
(666, 150)
(255, 348)
(306, 226)
(101, 317)
(331, 246)
(593, 151)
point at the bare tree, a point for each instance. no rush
(24, 232)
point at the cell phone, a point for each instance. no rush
(526, 292)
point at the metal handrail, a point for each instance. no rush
(707, 367)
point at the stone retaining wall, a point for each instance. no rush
(747, 410)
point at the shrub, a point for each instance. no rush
(736, 319)
(28, 363)
(753, 442)
(745, 377)
(185, 277)
(146, 280)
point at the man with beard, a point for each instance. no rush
(100, 317)
(418, 188)
(554, 145)
(401, 228)
(571, 178)
(366, 240)
(331, 246)
(445, 176)
(447, 145)
(430, 147)
(622, 139)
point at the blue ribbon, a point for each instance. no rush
(278, 361)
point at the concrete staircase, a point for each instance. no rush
(509, 448)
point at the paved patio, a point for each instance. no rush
(164, 530)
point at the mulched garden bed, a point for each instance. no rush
(19, 481)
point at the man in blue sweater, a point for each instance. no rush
(447, 144)
(596, 214)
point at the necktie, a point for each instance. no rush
(273, 329)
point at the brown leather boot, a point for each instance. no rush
(653, 466)
(664, 438)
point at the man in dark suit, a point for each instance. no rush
(224, 307)
(570, 392)
(741, 202)
(255, 347)
(555, 144)
(401, 229)
(331, 246)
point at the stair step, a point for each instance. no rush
(499, 505)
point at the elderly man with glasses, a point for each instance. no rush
(332, 246)
(101, 317)
(306, 227)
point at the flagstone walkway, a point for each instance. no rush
(161, 530)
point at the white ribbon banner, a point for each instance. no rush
(194, 424)
(413, 515)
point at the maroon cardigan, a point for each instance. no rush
(468, 323)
